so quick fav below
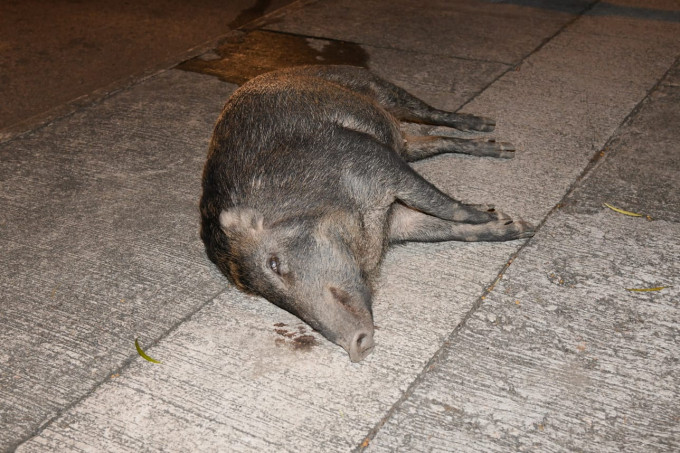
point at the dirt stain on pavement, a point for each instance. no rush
(297, 339)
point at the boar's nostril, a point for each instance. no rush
(361, 346)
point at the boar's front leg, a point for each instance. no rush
(416, 192)
(407, 224)
(406, 107)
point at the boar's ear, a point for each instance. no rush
(241, 219)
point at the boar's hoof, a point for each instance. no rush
(362, 345)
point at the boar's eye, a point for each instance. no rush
(274, 264)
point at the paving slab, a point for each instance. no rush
(242, 375)
(644, 175)
(562, 356)
(99, 237)
(488, 31)
(559, 108)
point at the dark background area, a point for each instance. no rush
(52, 52)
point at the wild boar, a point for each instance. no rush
(307, 183)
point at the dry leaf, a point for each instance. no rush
(621, 211)
(143, 354)
(644, 290)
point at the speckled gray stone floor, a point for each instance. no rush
(525, 345)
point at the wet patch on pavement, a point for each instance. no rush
(248, 55)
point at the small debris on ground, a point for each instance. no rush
(624, 212)
(644, 290)
(143, 354)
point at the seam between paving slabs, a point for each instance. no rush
(593, 164)
(99, 95)
(539, 47)
(122, 367)
(438, 355)
(600, 155)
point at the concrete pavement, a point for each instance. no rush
(526, 345)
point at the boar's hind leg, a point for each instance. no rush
(404, 106)
(409, 225)
(399, 102)
(420, 147)
(409, 108)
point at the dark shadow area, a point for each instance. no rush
(243, 57)
(52, 53)
(599, 9)
(563, 6)
(609, 9)
(247, 15)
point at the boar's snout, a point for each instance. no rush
(361, 345)
(356, 331)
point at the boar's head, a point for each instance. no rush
(304, 265)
